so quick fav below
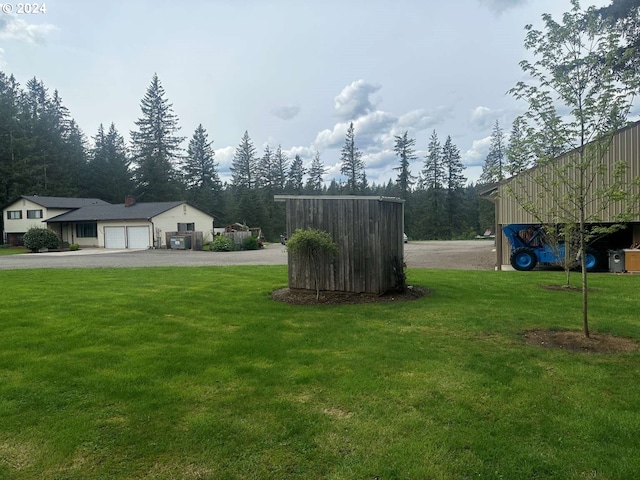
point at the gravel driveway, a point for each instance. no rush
(459, 254)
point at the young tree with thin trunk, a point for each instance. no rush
(578, 96)
(315, 249)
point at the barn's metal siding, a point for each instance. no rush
(368, 231)
(625, 147)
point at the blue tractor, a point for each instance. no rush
(530, 247)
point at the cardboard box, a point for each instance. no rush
(631, 260)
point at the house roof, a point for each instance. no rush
(63, 202)
(94, 213)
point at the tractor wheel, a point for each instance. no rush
(591, 261)
(524, 259)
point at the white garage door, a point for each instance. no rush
(114, 237)
(138, 237)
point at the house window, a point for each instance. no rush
(14, 214)
(87, 230)
(34, 213)
(186, 227)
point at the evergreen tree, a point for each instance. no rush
(455, 183)
(517, 152)
(317, 171)
(404, 148)
(433, 175)
(279, 171)
(201, 171)
(109, 175)
(200, 168)
(295, 179)
(75, 153)
(352, 165)
(14, 170)
(334, 188)
(244, 167)
(156, 147)
(452, 165)
(494, 169)
(431, 208)
(55, 148)
(264, 170)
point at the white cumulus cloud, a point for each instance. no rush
(353, 101)
(13, 28)
(482, 117)
(478, 152)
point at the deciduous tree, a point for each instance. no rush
(577, 94)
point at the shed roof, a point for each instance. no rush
(138, 211)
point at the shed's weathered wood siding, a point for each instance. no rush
(368, 231)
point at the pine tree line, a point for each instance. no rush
(44, 152)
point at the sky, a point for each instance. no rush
(293, 73)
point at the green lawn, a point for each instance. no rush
(4, 250)
(189, 373)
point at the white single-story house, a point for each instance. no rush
(95, 223)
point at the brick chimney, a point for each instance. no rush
(129, 201)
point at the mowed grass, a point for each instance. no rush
(189, 373)
(12, 250)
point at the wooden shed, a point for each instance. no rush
(369, 234)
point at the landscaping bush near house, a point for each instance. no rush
(250, 243)
(74, 246)
(38, 238)
(222, 244)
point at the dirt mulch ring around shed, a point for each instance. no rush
(575, 341)
(308, 297)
